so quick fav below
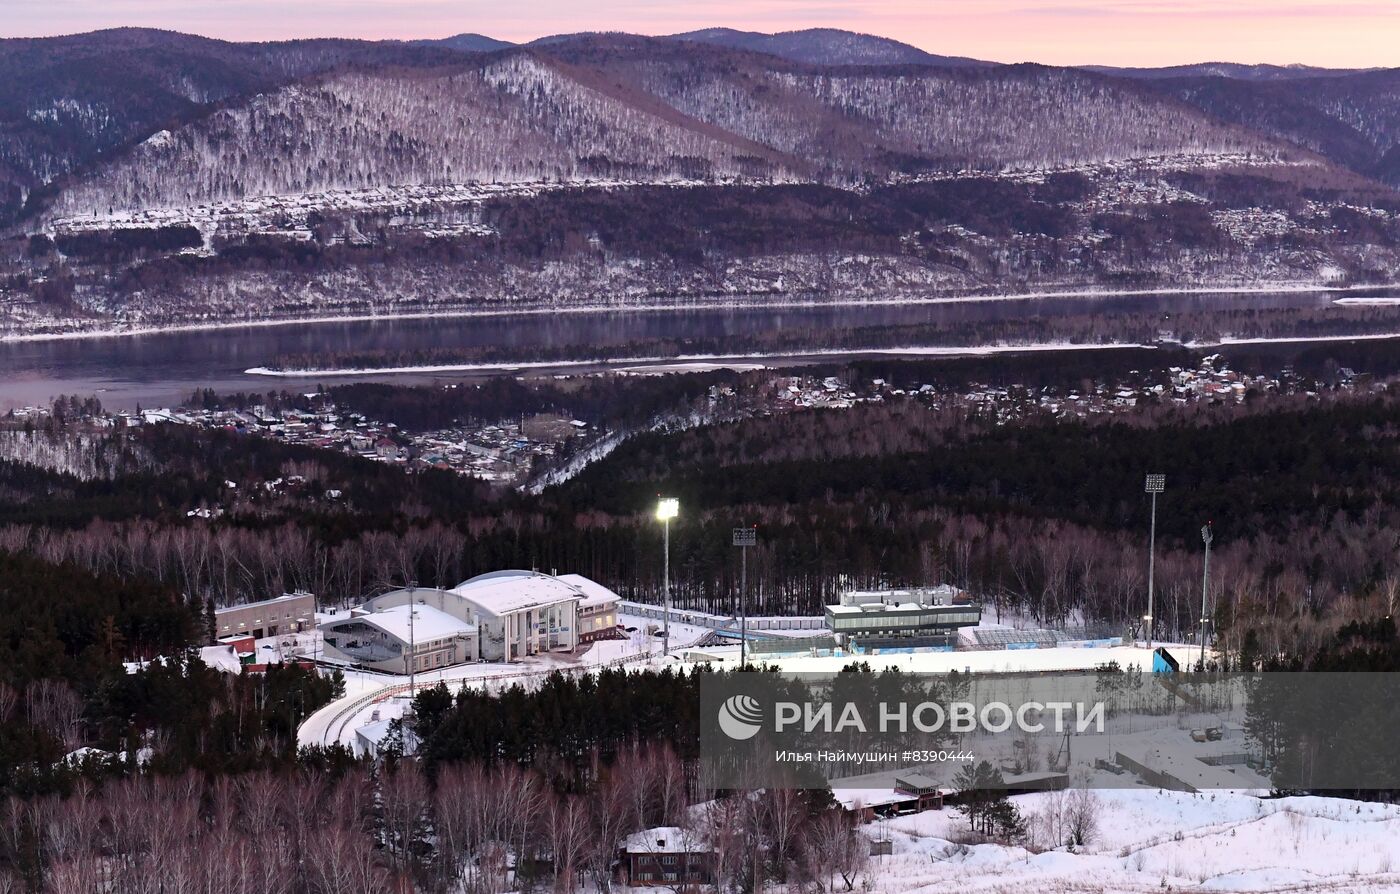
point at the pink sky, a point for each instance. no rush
(1340, 33)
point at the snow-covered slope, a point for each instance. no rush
(515, 119)
(1153, 840)
(66, 102)
(876, 120)
(647, 111)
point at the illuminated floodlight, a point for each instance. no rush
(1156, 484)
(667, 508)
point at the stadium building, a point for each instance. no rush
(501, 616)
(902, 618)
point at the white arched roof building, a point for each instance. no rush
(522, 613)
(499, 616)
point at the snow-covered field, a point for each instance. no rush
(1153, 840)
(991, 661)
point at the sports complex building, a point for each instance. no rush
(917, 617)
(500, 616)
(288, 613)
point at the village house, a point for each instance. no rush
(667, 856)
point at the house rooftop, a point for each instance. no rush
(664, 840)
(920, 780)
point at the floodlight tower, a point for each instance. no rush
(1206, 537)
(744, 538)
(667, 508)
(1155, 484)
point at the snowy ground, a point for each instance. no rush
(365, 690)
(1153, 840)
(1148, 840)
(987, 661)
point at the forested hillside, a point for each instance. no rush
(66, 102)
(638, 109)
(849, 103)
(871, 121)
(157, 179)
(515, 118)
(1112, 226)
(826, 46)
(1352, 119)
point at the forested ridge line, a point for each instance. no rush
(161, 473)
(1252, 469)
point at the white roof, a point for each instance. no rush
(851, 798)
(908, 594)
(1182, 763)
(221, 658)
(373, 733)
(285, 597)
(504, 592)
(594, 593)
(493, 577)
(874, 608)
(664, 840)
(922, 780)
(428, 623)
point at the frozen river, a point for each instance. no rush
(165, 368)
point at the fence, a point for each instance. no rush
(721, 622)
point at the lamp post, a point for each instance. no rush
(1206, 536)
(1154, 486)
(667, 508)
(412, 642)
(744, 538)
